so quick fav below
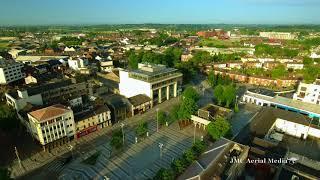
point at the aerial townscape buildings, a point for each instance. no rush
(159, 101)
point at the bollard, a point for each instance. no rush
(147, 134)
(201, 138)
(167, 124)
(136, 140)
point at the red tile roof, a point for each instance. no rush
(49, 112)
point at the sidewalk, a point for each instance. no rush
(42, 158)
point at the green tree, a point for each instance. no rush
(164, 174)
(8, 118)
(133, 61)
(142, 129)
(307, 61)
(211, 79)
(187, 108)
(116, 139)
(279, 71)
(174, 115)
(229, 95)
(218, 94)
(218, 128)
(190, 93)
(162, 117)
(178, 166)
(189, 156)
(198, 147)
(5, 174)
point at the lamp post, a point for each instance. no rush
(18, 157)
(122, 125)
(194, 133)
(71, 149)
(157, 119)
(160, 146)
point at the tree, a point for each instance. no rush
(162, 117)
(164, 174)
(116, 139)
(142, 129)
(218, 128)
(198, 147)
(174, 115)
(218, 93)
(187, 108)
(211, 79)
(8, 118)
(133, 61)
(279, 71)
(307, 61)
(229, 95)
(190, 93)
(178, 166)
(189, 156)
(5, 174)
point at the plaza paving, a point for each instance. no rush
(138, 161)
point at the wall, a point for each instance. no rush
(130, 87)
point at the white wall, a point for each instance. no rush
(130, 87)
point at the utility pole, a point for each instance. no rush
(122, 125)
(17, 154)
(157, 120)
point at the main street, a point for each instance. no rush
(39, 163)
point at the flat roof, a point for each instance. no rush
(267, 116)
(139, 99)
(304, 106)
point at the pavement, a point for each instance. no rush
(39, 161)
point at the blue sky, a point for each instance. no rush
(36, 12)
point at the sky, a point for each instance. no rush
(48, 12)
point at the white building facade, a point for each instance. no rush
(10, 71)
(51, 124)
(156, 81)
(308, 92)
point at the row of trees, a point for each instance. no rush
(179, 165)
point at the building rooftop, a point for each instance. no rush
(153, 72)
(267, 116)
(304, 106)
(49, 112)
(214, 161)
(139, 99)
(87, 114)
(33, 90)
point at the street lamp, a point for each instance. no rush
(122, 125)
(160, 146)
(194, 133)
(70, 148)
(157, 119)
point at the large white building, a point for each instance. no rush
(77, 64)
(308, 92)
(10, 71)
(278, 35)
(52, 125)
(156, 81)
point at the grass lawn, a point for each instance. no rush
(218, 43)
(92, 159)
